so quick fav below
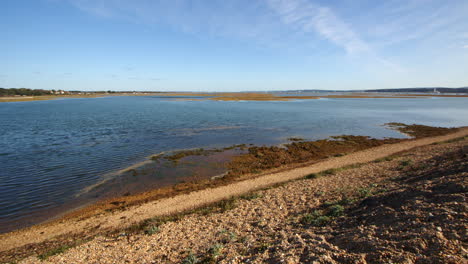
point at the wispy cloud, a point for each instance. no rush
(466, 46)
(309, 17)
(403, 21)
(364, 30)
(216, 17)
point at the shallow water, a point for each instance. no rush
(50, 151)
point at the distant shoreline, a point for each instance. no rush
(242, 96)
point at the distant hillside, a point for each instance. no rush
(389, 90)
(422, 90)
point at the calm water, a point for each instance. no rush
(50, 151)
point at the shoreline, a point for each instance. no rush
(235, 96)
(129, 215)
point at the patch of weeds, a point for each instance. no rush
(329, 203)
(228, 204)
(389, 158)
(251, 196)
(321, 220)
(423, 166)
(405, 163)
(190, 259)
(450, 140)
(152, 225)
(335, 210)
(151, 230)
(352, 166)
(312, 176)
(336, 170)
(263, 246)
(381, 190)
(365, 192)
(330, 171)
(219, 207)
(215, 250)
(227, 236)
(316, 218)
(54, 251)
(346, 201)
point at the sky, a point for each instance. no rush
(233, 45)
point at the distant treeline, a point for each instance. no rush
(393, 90)
(23, 91)
(422, 90)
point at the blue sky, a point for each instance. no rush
(233, 45)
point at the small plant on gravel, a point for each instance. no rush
(316, 218)
(330, 171)
(335, 210)
(226, 205)
(215, 250)
(345, 200)
(312, 176)
(151, 230)
(251, 196)
(54, 251)
(365, 192)
(321, 220)
(263, 246)
(389, 158)
(190, 259)
(227, 236)
(405, 163)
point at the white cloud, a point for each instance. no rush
(284, 24)
(309, 18)
(466, 46)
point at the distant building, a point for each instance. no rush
(61, 92)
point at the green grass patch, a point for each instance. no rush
(312, 176)
(388, 158)
(335, 210)
(190, 259)
(405, 163)
(251, 196)
(316, 218)
(454, 140)
(152, 225)
(54, 251)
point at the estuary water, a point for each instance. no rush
(50, 151)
